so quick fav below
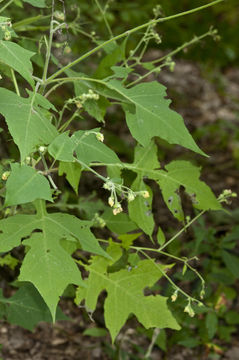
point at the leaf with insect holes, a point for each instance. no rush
(88, 148)
(125, 294)
(149, 115)
(26, 122)
(18, 58)
(26, 308)
(25, 185)
(183, 173)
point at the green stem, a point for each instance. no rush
(48, 52)
(169, 279)
(129, 32)
(15, 82)
(172, 53)
(91, 170)
(182, 230)
(6, 5)
(105, 19)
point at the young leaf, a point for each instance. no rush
(18, 58)
(104, 69)
(29, 127)
(88, 148)
(26, 308)
(125, 295)
(73, 173)
(25, 185)
(151, 116)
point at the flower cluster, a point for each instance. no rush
(129, 194)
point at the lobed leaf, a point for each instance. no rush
(26, 122)
(149, 115)
(125, 295)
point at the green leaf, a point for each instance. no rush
(18, 58)
(211, 324)
(95, 332)
(120, 223)
(125, 295)
(25, 185)
(31, 128)
(183, 173)
(104, 69)
(232, 263)
(89, 149)
(48, 267)
(160, 237)
(140, 209)
(121, 72)
(36, 3)
(97, 108)
(14, 228)
(150, 115)
(73, 173)
(62, 148)
(26, 308)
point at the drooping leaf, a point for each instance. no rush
(140, 209)
(125, 295)
(149, 115)
(62, 148)
(26, 308)
(25, 185)
(18, 58)
(73, 173)
(88, 148)
(26, 122)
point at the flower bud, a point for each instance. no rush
(42, 149)
(145, 194)
(100, 137)
(111, 201)
(131, 196)
(5, 175)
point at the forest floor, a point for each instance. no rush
(210, 107)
